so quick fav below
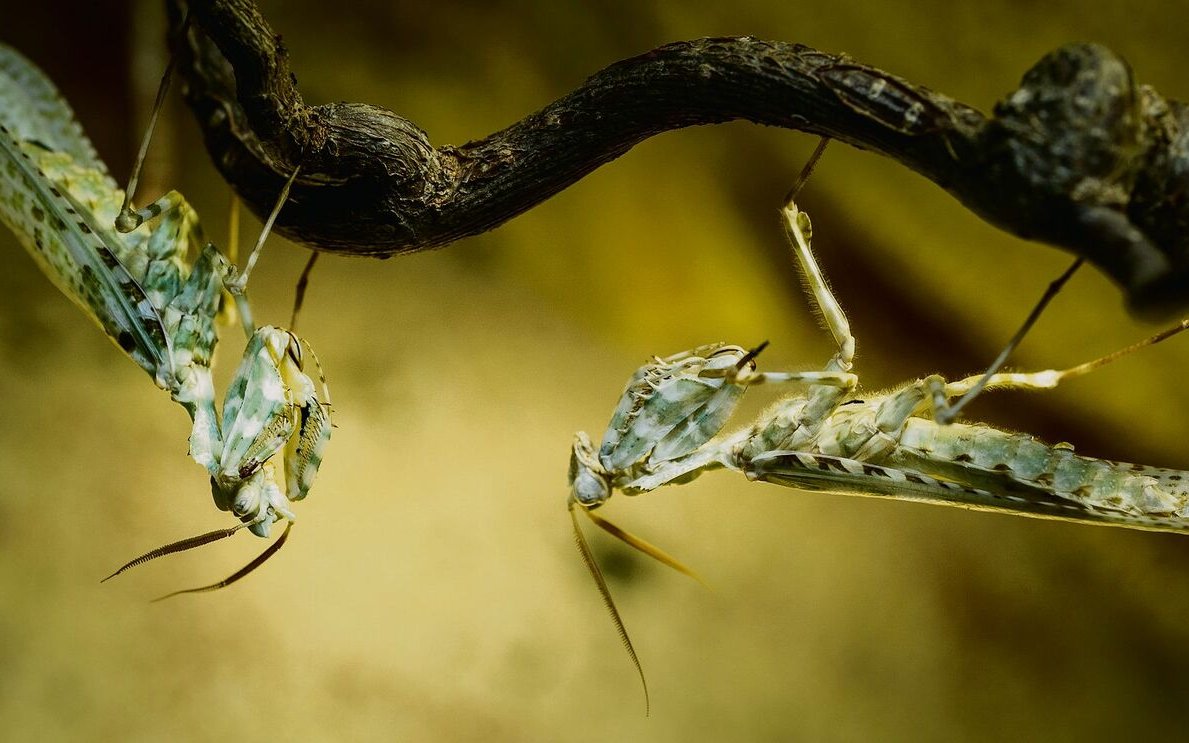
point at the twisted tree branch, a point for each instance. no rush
(1079, 156)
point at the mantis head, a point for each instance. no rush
(674, 405)
(590, 486)
(275, 425)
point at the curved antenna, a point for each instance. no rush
(636, 542)
(188, 543)
(605, 592)
(260, 560)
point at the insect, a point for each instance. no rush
(160, 306)
(666, 430)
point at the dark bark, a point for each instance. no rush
(1079, 156)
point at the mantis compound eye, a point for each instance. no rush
(243, 504)
(589, 485)
(590, 489)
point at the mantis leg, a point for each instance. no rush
(942, 391)
(950, 413)
(800, 232)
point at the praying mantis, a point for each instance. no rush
(147, 278)
(667, 428)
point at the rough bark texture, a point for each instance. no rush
(1079, 156)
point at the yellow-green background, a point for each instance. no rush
(431, 590)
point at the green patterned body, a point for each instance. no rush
(157, 303)
(59, 200)
(1084, 487)
(881, 446)
(273, 417)
(874, 446)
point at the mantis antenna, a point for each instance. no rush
(156, 289)
(732, 372)
(639, 544)
(271, 550)
(605, 592)
(203, 539)
(181, 545)
(596, 573)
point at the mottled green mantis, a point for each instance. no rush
(156, 290)
(666, 430)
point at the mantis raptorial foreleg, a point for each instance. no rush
(156, 290)
(672, 408)
(275, 420)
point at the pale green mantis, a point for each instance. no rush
(156, 290)
(668, 429)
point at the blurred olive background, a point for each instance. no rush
(431, 590)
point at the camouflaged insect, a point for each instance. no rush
(666, 430)
(58, 198)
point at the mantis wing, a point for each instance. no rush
(849, 476)
(61, 236)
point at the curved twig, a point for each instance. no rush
(1079, 156)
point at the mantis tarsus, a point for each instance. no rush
(666, 430)
(156, 289)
